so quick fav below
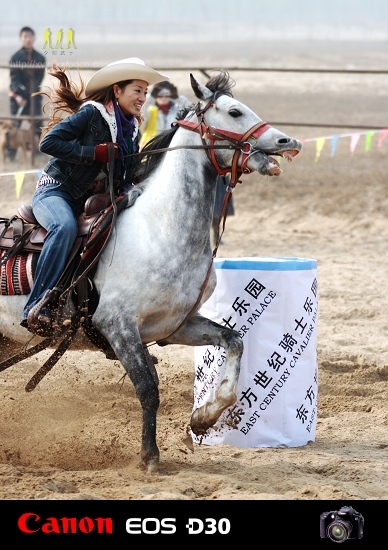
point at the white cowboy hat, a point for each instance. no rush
(132, 68)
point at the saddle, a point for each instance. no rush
(22, 234)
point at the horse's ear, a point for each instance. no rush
(201, 92)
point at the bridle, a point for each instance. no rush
(240, 141)
(243, 147)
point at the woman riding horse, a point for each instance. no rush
(109, 114)
(157, 271)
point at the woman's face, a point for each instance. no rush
(132, 97)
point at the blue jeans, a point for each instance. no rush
(57, 211)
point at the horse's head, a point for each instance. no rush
(225, 121)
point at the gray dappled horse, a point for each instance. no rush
(157, 268)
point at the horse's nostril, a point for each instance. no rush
(283, 141)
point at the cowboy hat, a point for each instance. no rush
(132, 68)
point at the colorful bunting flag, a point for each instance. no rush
(319, 146)
(334, 141)
(354, 139)
(353, 142)
(19, 179)
(368, 140)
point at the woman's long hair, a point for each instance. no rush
(69, 97)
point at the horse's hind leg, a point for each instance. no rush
(199, 331)
(151, 364)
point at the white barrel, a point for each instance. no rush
(273, 304)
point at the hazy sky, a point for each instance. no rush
(147, 14)
(127, 24)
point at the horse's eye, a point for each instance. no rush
(235, 113)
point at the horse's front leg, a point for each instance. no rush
(199, 331)
(129, 350)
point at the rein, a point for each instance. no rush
(165, 149)
(241, 145)
(237, 142)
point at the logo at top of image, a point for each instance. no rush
(61, 40)
(342, 524)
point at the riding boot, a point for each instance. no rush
(39, 319)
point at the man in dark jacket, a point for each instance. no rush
(27, 68)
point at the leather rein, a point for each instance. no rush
(243, 147)
(238, 142)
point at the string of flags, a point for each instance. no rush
(319, 145)
(354, 139)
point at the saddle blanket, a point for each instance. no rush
(17, 275)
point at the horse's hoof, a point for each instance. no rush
(198, 424)
(151, 467)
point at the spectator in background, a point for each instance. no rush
(27, 68)
(161, 110)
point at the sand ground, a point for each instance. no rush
(77, 436)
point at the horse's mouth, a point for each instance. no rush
(275, 166)
(289, 154)
(266, 163)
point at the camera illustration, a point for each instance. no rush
(342, 524)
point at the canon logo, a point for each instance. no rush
(31, 523)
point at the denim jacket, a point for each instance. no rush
(71, 142)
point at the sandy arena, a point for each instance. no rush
(77, 436)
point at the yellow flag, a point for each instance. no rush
(19, 179)
(319, 147)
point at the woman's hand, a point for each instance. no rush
(101, 152)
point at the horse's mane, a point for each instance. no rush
(149, 160)
(221, 84)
